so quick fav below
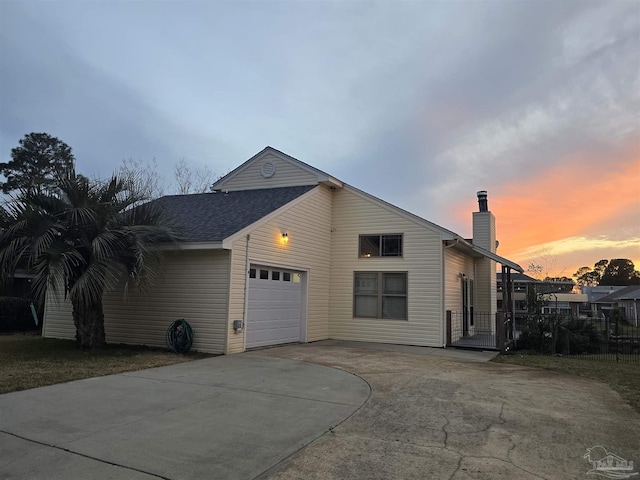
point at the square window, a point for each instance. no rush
(380, 295)
(392, 245)
(252, 273)
(264, 274)
(369, 246)
(275, 275)
(286, 276)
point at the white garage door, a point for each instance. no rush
(274, 314)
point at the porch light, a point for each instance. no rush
(284, 239)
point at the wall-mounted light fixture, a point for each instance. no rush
(284, 239)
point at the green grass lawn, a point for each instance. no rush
(624, 378)
(29, 361)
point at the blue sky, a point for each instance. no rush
(419, 103)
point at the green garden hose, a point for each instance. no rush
(180, 336)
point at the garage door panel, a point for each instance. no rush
(274, 313)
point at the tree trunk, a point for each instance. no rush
(89, 322)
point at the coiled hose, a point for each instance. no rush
(180, 336)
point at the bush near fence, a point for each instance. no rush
(15, 315)
(554, 334)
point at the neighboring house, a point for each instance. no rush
(597, 292)
(554, 294)
(627, 299)
(283, 252)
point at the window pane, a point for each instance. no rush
(394, 307)
(366, 306)
(296, 278)
(275, 275)
(394, 283)
(264, 274)
(392, 245)
(252, 273)
(369, 245)
(286, 276)
(366, 283)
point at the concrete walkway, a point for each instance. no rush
(221, 418)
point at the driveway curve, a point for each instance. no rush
(231, 417)
(452, 415)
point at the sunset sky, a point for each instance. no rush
(421, 103)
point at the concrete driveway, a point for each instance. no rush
(281, 414)
(221, 418)
(447, 414)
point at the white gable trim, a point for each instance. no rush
(227, 243)
(321, 176)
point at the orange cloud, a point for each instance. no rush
(582, 209)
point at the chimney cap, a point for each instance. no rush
(482, 201)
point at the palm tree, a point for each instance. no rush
(84, 237)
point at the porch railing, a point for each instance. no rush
(479, 330)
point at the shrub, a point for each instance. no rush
(15, 314)
(554, 334)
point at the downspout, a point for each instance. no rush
(246, 291)
(443, 290)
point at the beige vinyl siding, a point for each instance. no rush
(455, 263)
(308, 224)
(192, 285)
(57, 319)
(486, 286)
(355, 214)
(287, 175)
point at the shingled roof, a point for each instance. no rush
(212, 217)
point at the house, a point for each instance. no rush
(625, 298)
(555, 296)
(283, 252)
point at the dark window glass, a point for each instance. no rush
(369, 246)
(392, 245)
(264, 274)
(275, 275)
(380, 246)
(286, 276)
(252, 273)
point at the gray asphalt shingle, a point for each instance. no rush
(211, 217)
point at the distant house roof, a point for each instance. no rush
(631, 292)
(212, 217)
(517, 277)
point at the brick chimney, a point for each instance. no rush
(484, 236)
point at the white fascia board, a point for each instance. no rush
(498, 258)
(227, 243)
(446, 234)
(331, 181)
(191, 246)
